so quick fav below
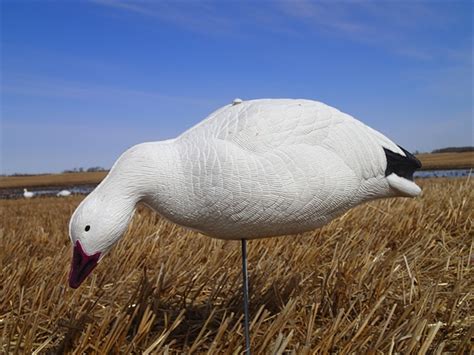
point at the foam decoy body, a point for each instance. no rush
(252, 169)
(63, 193)
(28, 194)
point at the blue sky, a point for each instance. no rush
(83, 80)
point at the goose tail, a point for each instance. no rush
(399, 172)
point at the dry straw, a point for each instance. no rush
(392, 276)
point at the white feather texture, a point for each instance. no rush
(251, 169)
(406, 187)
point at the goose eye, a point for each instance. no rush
(87, 228)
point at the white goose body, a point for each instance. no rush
(255, 169)
(63, 193)
(28, 194)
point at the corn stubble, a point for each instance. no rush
(392, 276)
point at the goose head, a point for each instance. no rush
(102, 218)
(96, 225)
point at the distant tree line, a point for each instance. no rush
(89, 170)
(25, 174)
(453, 150)
(75, 170)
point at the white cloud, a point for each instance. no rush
(193, 15)
(397, 26)
(400, 27)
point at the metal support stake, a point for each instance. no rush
(246, 296)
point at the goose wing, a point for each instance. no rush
(261, 126)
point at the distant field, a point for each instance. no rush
(389, 277)
(463, 160)
(69, 179)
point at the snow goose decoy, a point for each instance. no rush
(63, 193)
(252, 169)
(28, 194)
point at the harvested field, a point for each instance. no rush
(28, 181)
(464, 160)
(392, 276)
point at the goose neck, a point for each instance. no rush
(141, 171)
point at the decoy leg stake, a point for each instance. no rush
(246, 296)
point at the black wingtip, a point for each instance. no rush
(400, 165)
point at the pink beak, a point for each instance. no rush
(82, 265)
